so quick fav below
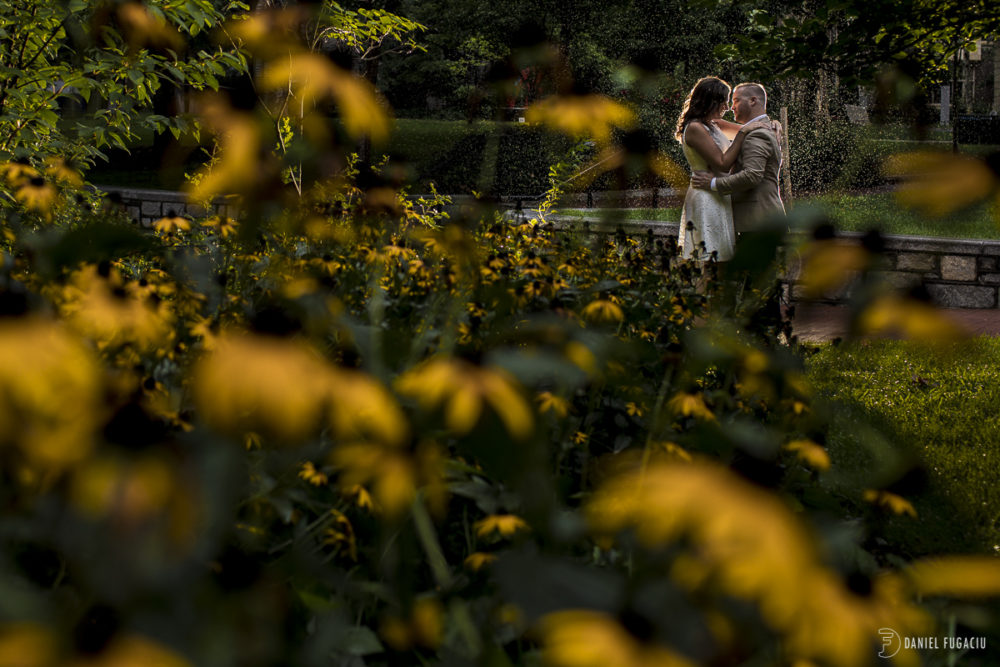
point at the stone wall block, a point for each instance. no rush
(963, 296)
(989, 278)
(987, 263)
(958, 267)
(152, 208)
(915, 261)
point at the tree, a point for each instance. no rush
(110, 58)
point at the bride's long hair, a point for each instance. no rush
(704, 98)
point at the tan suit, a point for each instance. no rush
(754, 181)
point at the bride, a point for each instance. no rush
(707, 216)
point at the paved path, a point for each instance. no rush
(820, 323)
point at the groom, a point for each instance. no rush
(754, 180)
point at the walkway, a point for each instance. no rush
(816, 323)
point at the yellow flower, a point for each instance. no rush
(587, 638)
(424, 626)
(172, 223)
(475, 561)
(581, 357)
(114, 313)
(259, 383)
(549, 402)
(463, 389)
(956, 576)
(142, 27)
(829, 264)
(50, 392)
(17, 173)
(603, 310)
(312, 77)
(504, 525)
(61, 169)
(812, 454)
(224, 226)
(309, 473)
(633, 409)
(584, 115)
(360, 406)
(580, 438)
(239, 143)
(37, 195)
(670, 450)
(750, 545)
(341, 535)
(361, 497)
(890, 501)
(394, 475)
(27, 645)
(690, 405)
(892, 314)
(938, 183)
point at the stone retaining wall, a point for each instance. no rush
(147, 206)
(958, 273)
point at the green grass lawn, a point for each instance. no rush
(899, 404)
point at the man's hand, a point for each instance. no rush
(701, 179)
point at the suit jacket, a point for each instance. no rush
(754, 181)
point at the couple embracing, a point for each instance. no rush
(734, 181)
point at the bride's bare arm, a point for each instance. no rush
(728, 127)
(697, 136)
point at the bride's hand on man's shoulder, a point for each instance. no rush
(757, 125)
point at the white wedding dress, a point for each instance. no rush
(710, 213)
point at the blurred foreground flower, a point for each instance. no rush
(893, 314)
(829, 264)
(593, 116)
(50, 391)
(423, 627)
(259, 383)
(464, 389)
(587, 638)
(938, 183)
(750, 545)
(313, 77)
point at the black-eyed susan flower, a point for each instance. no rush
(423, 626)
(890, 501)
(478, 560)
(810, 453)
(829, 264)
(106, 310)
(690, 405)
(171, 223)
(938, 182)
(463, 390)
(955, 576)
(262, 384)
(603, 310)
(17, 173)
(894, 314)
(222, 225)
(311, 474)
(50, 393)
(549, 402)
(37, 195)
(750, 545)
(61, 170)
(502, 525)
(590, 638)
(593, 116)
(340, 535)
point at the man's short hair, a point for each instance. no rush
(754, 90)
